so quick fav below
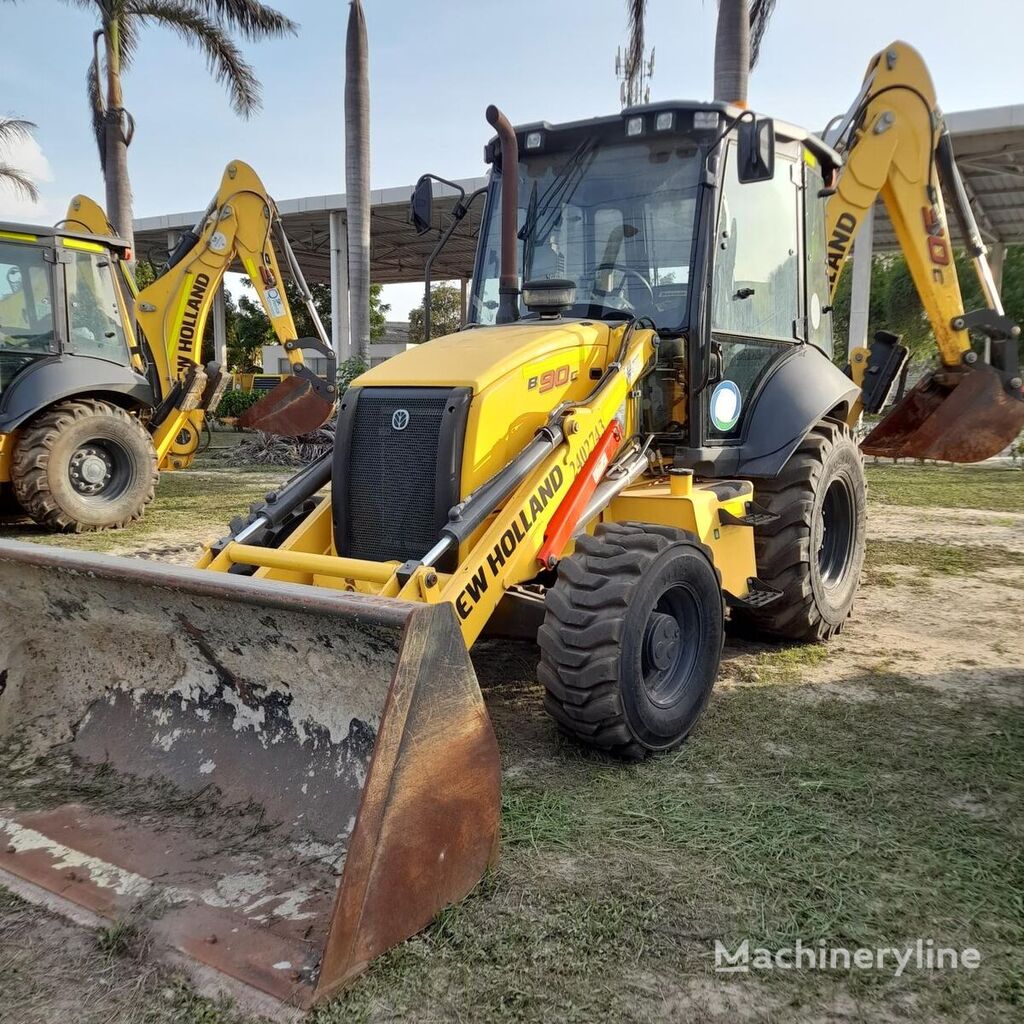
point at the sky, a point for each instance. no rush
(434, 67)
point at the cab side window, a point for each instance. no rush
(94, 317)
(755, 302)
(756, 273)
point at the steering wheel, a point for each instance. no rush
(627, 272)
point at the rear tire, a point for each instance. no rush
(84, 465)
(632, 638)
(814, 551)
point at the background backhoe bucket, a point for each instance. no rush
(290, 409)
(953, 416)
(279, 781)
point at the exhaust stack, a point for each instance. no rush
(508, 283)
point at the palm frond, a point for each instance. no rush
(224, 59)
(19, 181)
(253, 19)
(760, 14)
(14, 129)
(636, 10)
(129, 34)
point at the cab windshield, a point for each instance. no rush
(617, 219)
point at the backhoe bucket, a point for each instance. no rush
(289, 409)
(277, 781)
(952, 416)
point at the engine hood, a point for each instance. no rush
(478, 357)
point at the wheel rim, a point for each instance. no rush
(100, 470)
(669, 649)
(838, 516)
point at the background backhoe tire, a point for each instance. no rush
(84, 465)
(632, 638)
(814, 551)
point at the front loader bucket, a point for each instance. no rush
(952, 416)
(278, 781)
(290, 409)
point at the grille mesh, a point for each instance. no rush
(392, 490)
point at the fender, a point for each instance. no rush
(53, 379)
(802, 387)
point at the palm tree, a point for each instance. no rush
(205, 25)
(636, 11)
(357, 180)
(741, 27)
(13, 129)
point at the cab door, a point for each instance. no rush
(756, 302)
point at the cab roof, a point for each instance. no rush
(41, 231)
(587, 127)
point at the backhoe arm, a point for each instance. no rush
(240, 224)
(896, 147)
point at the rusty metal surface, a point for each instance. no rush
(953, 416)
(258, 915)
(291, 408)
(428, 827)
(334, 733)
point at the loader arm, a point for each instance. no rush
(896, 147)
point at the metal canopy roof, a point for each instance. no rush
(397, 253)
(989, 146)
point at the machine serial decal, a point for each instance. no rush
(189, 321)
(509, 541)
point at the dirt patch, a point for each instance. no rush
(969, 527)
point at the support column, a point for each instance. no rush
(220, 327)
(996, 258)
(462, 296)
(340, 337)
(860, 290)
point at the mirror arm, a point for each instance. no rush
(461, 209)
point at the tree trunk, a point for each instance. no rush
(732, 52)
(357, 180)
(115, 167)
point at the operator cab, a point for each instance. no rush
(59, 296)
(701, 220)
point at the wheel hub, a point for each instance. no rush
(837, 525)
(661, 640)
(90, 470)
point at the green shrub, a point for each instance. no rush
(348, 370)
(234, 403)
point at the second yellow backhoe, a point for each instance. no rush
(102, 386)
(280, 762)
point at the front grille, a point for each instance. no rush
(393, 487)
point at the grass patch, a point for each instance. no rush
(616, 879)
(784, 664)
(974, 487)
(118, 939)
(939, 559)
(188, 505)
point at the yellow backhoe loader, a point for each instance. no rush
(102, 386)
(281, 759)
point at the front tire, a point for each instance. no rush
(814, 551)
(84, 465)
(632, 638)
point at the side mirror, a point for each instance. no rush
(421, 206)
(756, 149)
